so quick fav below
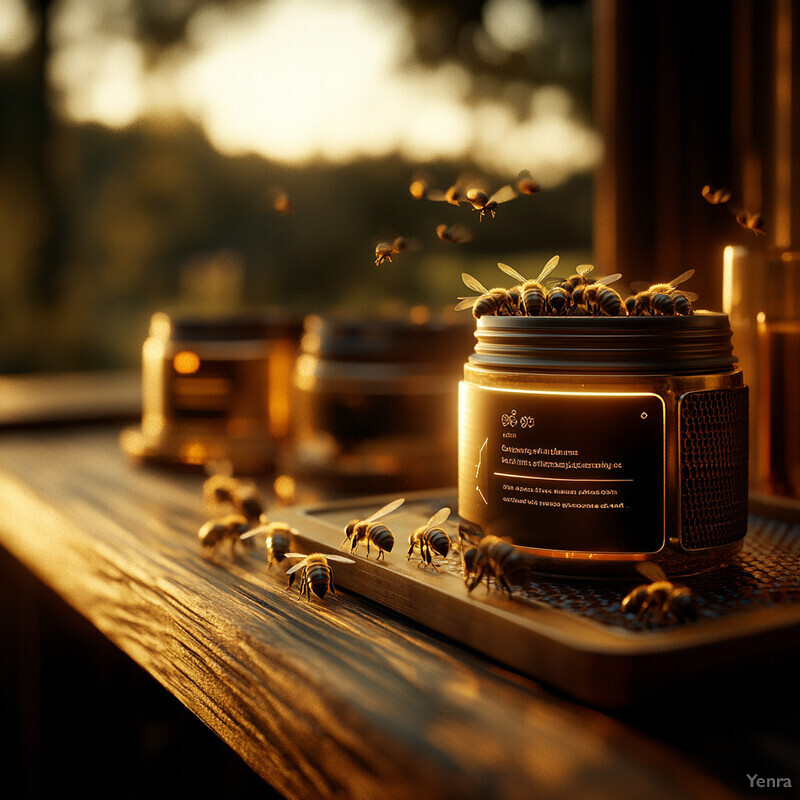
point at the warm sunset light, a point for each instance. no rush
(295, 80)
(186, 362)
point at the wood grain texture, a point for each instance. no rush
(323, 700)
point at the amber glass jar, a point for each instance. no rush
(215, 388)
(375, 403)
(599, 442)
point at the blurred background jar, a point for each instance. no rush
(375, 403)
(216, 388)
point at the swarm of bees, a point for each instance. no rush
(469, 190)
(660, 601)
(577, 296)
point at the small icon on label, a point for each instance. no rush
(643, 415)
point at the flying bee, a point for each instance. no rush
(385, 250)
(430, 539)
(222, 489)
(454, 234)
(498, 302)
(479, 200)
(532, 294)
(752, 222)
(282, 203)
(660, 600)
(493, 558)
(317, 576)
(663, 299)
(279, 539)
(370, 530)
(215, 532)
(715, 196)
(526, 184)
(598, 299)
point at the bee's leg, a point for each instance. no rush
(346, 540)
(291, 581)
(333, 586)
(381, 555)
(410, 551)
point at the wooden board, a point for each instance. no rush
(573, 634)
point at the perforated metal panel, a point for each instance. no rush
(713, 431)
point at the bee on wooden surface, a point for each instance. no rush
(279, 538)
(526, 184)
(715, 196)
(663, 299)
(559, 301)
(660, 601)
(215, 532)
(317, 576)
(221, 489)
(430, 539)
(532, 294)
(598, 299)
(481, 202)
(371, 531)
(385, 250)
(499, 301)
(752, 222)
(454, 234)
(493, 558)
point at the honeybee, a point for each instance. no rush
(430, 539)
(494, 558)
(526, 184)
(369, 530)
(479, 200)
(385, 250)
(454, 234)
(599, 299)
(215, 532)
(559, 298)
(532, 294)
(499, 301)
(222, 489)
(661, 600)
(663, 299)
(279, 539)
(282, 203)
(317, 575)
(752, 222)
(715, 196)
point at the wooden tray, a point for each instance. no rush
(572, 634)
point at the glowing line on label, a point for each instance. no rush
(577, 480)
(480, 457)
(481, 494)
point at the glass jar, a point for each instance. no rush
(375, 404)
(215, 389)
(598, 442)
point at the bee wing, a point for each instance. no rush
(684, 276)
(255, 532)
(387, 509)
(606, 279)
(299, 565)
(504, 194)
(438, 518)
(436, 194)
(548, 268)
(651, 571)
(467, 302)
(511, 271)
(584, 269)
(473, 283)
(344, 560)
(691, 296)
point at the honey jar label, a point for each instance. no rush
(564, 471)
